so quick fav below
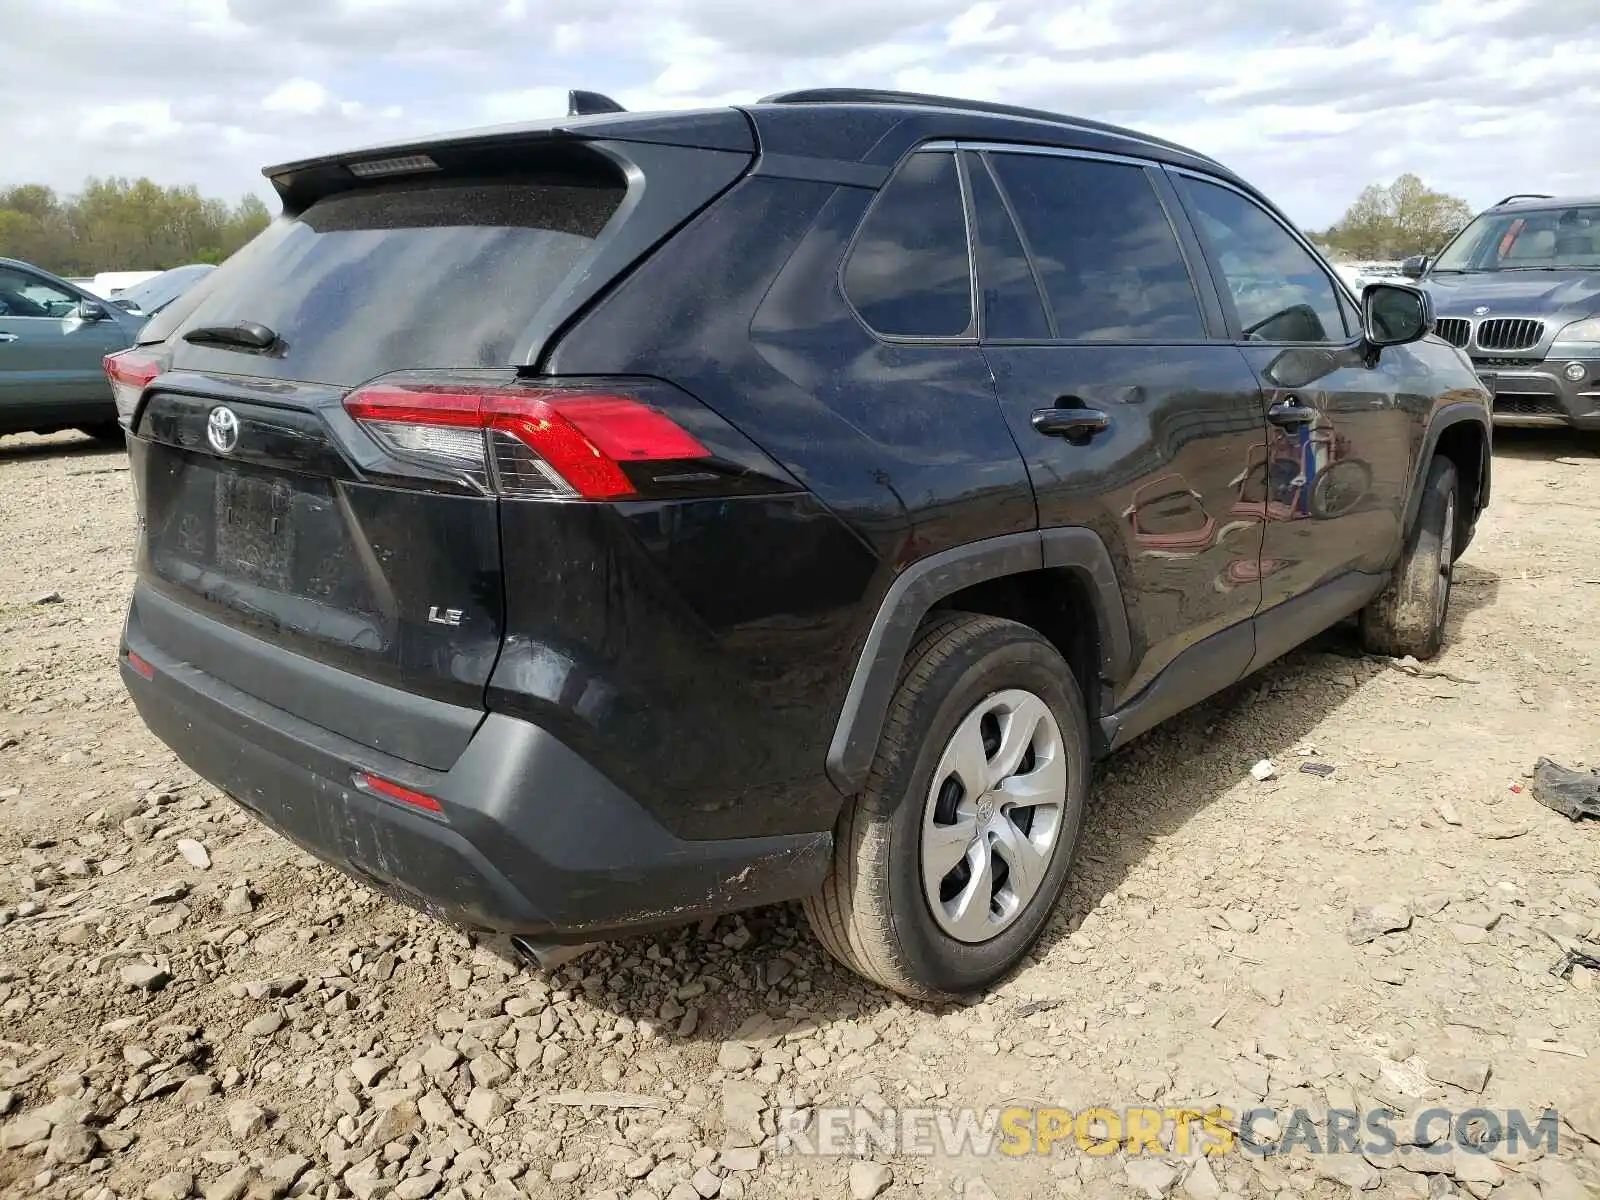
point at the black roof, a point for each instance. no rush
(880, 127)
(867, 128)
(842, 123)
(921, 100)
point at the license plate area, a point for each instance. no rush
(255, 537)
(1489, 380)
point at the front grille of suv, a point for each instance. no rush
(1529, 406)
(1509, 333)
(1454, 330)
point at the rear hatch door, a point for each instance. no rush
(269, 512)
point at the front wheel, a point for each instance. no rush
(1408, 615)
(949, 862)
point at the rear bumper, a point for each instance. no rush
(530, 839)
(1538, 393)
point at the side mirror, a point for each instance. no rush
(1413, 267)
(1395, 314)
(92, 310)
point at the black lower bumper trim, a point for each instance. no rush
(530, 839)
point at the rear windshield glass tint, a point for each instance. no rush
(449, 274)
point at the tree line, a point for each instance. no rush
(1396, 220)
(118, 225)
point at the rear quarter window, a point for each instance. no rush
(910, 273)
(445, 273)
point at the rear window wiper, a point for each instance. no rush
(246, 335)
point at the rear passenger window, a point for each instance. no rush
(909, 274)
(1013, 309)
(1105, 251)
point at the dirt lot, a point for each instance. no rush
(188, 1003)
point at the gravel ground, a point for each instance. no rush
(190, 1006)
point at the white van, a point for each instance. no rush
(108, 283)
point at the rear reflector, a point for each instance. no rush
(139, 665)
(130, 372)
(534, 441)
(393, 791)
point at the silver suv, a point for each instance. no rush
(1519, 290)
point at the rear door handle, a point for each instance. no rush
(1077, 425)
(7, 337)
(1291, 414)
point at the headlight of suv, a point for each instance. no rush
(1587, 330)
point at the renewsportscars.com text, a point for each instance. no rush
(1020, 1129)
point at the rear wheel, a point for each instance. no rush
(949, 862)
(1408, 616)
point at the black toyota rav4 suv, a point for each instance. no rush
(590, 526)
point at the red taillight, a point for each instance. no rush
(393, 791)
(130, 372)
(139, 665)
(523, 441)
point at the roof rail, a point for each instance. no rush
(588, 104)
(1524, 196)
(924, 100)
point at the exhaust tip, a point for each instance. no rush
(546, 956)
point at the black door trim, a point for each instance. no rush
(1284, 626)
(1230, 654)
(1204, 669)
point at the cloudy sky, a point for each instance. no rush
(1310, 99)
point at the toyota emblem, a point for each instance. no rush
(222, 429)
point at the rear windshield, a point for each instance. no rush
(436, 274)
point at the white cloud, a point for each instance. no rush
(303, 96)
(1310, 101)
(529, 104)
(137, 120)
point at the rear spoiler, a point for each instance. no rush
(492, 149)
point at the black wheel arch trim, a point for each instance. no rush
(1461, 412)
(929, 580)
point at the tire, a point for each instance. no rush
(108, 433)
(875, 912)
(1408, 616)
